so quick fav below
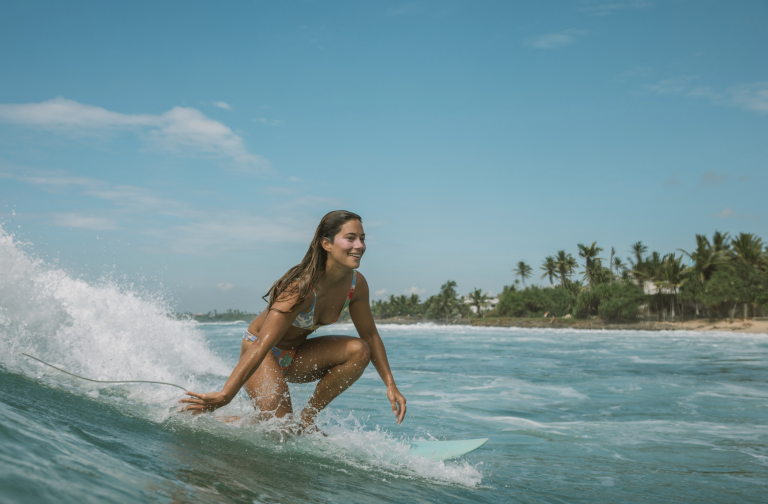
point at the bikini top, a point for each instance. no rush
(306, 320)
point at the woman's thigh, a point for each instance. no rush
(268, 387)
(317, 355)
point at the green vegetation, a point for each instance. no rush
(523, 271)
(215, 316)
(724, 277)
(720, 276)
(447, 304)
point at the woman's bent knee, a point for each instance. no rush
(361, 352)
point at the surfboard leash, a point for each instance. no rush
(102, 381)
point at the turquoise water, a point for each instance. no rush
(572, 416)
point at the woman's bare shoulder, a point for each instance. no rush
(361, 285)
(289, 297)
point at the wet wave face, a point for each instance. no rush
(573, 416)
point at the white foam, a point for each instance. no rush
(103, 331)
(106, 331)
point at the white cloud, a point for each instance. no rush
(380, 292)
(713, 178)
(219, 232)
(71, 220)
(672, 181)
(224, 287)
(752, 97)
(271, 122)
(181, 130)
(63, 113)
(407, 9)
(294, 179)
(414, 290)
(672, 86)
(194, 230)
(222, 105)
(728, 212)
(125, 197)
(639, 71)
(554, 40)
(603, 7)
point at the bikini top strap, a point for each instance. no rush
(349, 296)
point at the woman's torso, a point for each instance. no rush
(327, 307)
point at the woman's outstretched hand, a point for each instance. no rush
(397, 401)
(200, 403)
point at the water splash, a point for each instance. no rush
(102, 331)
(105, 331)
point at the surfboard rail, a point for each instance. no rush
(445, 450)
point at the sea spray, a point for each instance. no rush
(102, 331)
(105, 331)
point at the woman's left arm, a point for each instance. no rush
(360, 311)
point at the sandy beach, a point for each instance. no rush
(737, 325)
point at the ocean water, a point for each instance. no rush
(572, 416)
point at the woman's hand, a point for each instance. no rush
(397, 401)
(200, 403)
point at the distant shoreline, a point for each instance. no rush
(736, 325)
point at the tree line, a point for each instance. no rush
(444, 305)
(722, 277)
(217, 316)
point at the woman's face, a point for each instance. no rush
(348, 245)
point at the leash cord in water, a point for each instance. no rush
(102, 381)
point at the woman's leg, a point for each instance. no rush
(269, 390)
(337, 361)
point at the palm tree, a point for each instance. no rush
(446, 303)
(706, 258)
(721, 241)
(639, 250)
(549, 267)
(590, 254)
(671, 276)
(413, 304)
(478, 300)
(748, 250)
(598, 273)
(565, 264)
(619, 266)
(610, 264)
(649, 270)
(523, 271)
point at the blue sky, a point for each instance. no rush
(192, 147)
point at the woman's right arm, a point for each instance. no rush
(272, 331)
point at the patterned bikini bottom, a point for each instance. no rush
(284, 357)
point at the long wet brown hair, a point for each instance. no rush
(304, 275)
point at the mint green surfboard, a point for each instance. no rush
(444, 450)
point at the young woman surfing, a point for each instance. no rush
(275, 349)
